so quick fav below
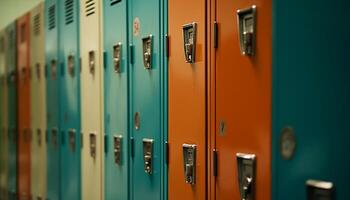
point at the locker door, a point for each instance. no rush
(38, 103)
(52, 97)
(92, 99)
(3, 117)
(70, 98)
(187, 99)
(116, 99)
(148, 99)
(310, 101)
(243, 99)
(12, 110)
(23, 89)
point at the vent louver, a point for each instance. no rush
(113, 2)
(52, 17)
(36, 22)
(89, 7)
(69, 11)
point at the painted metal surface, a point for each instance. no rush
(53, 101)
(148, 90)
(12, 110)
(92, 99)
(23, 105)
(310, 94)
(69, 99)
(187, 99)
(3, 117)
(38, 102)
(116, 99)
(242, 99)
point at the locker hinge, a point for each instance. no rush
(62, 137)
(215, 162)
(132, 146)
(47, 136)
(131, 49)
(81, 140)
(106, 143)
(167, 45)
(167, 152)
(62, 68)
(45, 73)
(80, 64)
(105, 60)
(216, 34)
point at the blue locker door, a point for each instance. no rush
(12, 110)
(116, 97)
(70, 99)
(52, 92)
(147, 99)
(310, 97)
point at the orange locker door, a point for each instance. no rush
(243, 99)
(23, 89)
(187, 99)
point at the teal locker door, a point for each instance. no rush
(310, 99)
(52, 92)
(116, 99)
(12, 110)
(147, 99)
(70, 99)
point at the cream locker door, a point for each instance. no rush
(3, 118)
(38, 103)
(91, 99)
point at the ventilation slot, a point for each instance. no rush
(69, 11)
(36, 22)
(113, 2)
(52, 17)
(90, 7)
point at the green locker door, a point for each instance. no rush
(148, 83)
(311, 100)
(12, 110)
(53, 103)
(70, 99)
(3, 117)
(116, 99)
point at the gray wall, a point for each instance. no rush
(11, 9)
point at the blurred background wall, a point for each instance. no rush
(11, 9)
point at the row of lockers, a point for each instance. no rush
(176, 99)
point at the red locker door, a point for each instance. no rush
(243, 99)
(23, 89)
(187, 99)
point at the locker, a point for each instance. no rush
(23, 105)
(310, 101)
(3, 116)
(187, 99)
(242, 116)
(70, 98)
(116, 73)
(12, 109)
(38, 102)
(148, 99)
(91, 99)
(53, 139)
